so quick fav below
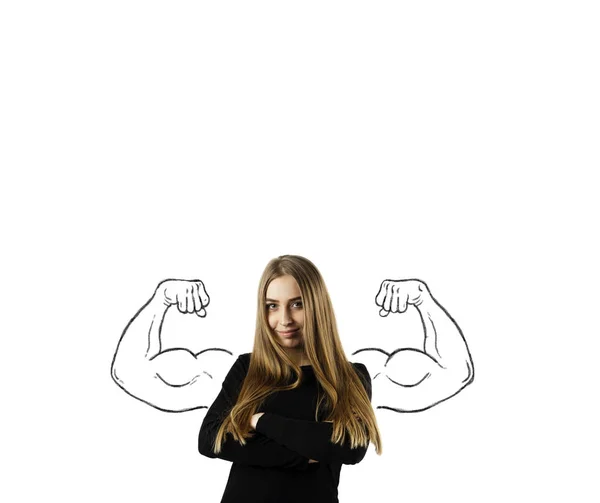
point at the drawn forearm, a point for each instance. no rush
(141, 337)
(443, 339)
(153, 340)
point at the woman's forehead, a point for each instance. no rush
(283, 288)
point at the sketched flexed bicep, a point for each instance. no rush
(175, 379)
(412, 380)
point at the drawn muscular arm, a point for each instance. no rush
(417, 380)
(174, 380)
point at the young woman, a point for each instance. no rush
(293, 411)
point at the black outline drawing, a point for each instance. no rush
(394, 296)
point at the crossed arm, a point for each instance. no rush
(259, 449)
(278, 441)
(309, 438)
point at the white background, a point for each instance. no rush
(454, 142)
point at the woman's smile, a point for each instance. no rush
(289, 333)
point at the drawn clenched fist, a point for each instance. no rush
(395, 296)
(189, 296)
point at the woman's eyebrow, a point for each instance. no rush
(273, 300)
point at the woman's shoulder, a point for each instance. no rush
(364, 376)
(244, 358)
(360, 366)
(362, 371)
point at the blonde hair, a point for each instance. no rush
(345, 400)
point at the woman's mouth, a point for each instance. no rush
(289, 333)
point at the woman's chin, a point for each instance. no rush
(293, 342)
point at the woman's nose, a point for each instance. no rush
(285, 317)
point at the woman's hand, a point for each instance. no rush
(255, 419)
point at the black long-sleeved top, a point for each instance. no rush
(273, 466)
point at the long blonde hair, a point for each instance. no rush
(345, 400)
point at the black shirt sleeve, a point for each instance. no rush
(259, 450)
(311, 438)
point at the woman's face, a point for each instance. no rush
(285, 311)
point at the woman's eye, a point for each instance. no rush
(299, 304)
